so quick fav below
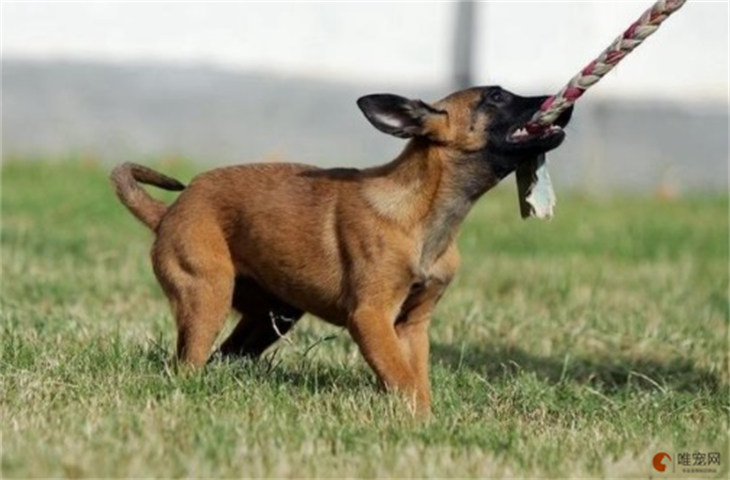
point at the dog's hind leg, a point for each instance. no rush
(255, 332)
(264, 319)
(199, 284)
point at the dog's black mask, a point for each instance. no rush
(508, 113)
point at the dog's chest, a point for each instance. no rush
(440, 229)
(457, 192)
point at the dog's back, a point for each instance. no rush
(279, 222)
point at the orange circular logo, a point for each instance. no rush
(658, 461)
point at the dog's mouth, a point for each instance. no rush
(519, 134)
(520, 137)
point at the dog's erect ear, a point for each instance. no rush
(399, 116)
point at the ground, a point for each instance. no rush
(580, 346)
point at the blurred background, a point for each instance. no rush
(221, 83)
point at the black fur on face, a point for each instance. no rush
(508, 113)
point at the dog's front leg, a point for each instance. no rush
(415, 317)
(412, 332)
(374, 332)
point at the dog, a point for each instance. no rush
(371, 250)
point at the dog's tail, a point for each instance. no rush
(147, 209)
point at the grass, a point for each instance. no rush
(577, 347)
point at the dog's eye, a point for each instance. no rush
(496, 96)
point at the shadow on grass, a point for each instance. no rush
(608, 375)
(305, 374)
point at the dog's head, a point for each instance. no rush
(480, 122)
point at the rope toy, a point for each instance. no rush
(536, 196)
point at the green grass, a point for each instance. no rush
(580, 346)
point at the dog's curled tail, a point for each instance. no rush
(147, 209)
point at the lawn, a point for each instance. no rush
(576, 347)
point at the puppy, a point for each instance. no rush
(370, 250)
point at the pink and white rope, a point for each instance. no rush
(647, 24)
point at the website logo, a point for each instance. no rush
(687, 462)
(658, 461)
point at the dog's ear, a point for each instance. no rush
(400, 116)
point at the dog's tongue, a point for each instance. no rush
(534, 188)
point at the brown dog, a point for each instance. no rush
(372, 250)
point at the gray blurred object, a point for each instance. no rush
(463, 52)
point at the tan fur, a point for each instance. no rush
(147, 209)
(370, 250)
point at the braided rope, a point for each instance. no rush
(647, 24)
